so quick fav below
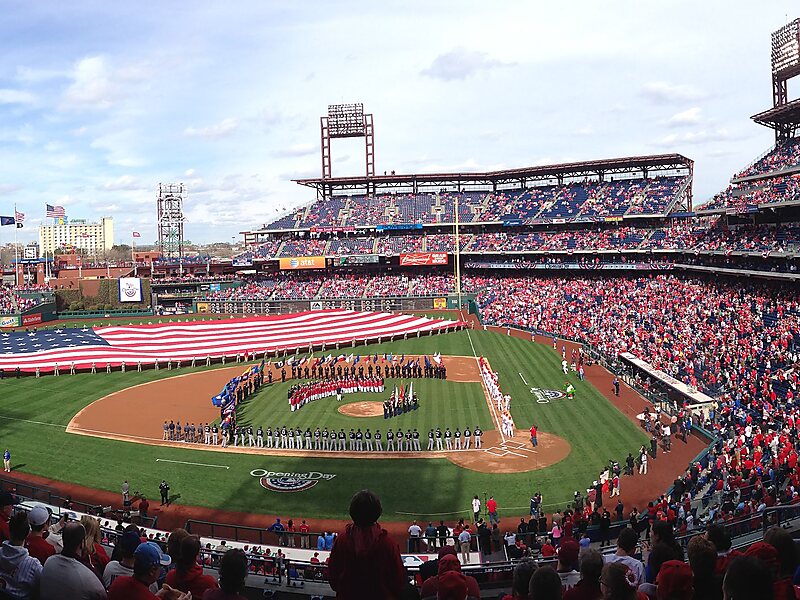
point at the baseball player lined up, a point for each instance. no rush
(324, 439)
(301, 394)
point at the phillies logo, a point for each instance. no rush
(289, 482)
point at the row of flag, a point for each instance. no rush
(55, 212)
(312, 361)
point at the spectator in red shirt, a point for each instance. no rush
(448, 562)
(304, 531)
(7, 503)
(187, 576)
(37, 546)
(491, 508)
(365, 562)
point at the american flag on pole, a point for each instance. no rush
(184, 341)
(54, 212)
(19, 218)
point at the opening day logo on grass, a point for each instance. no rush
(276, 481)
(545, 396)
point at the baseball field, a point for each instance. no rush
(33, 425)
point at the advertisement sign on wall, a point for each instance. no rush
(10, 321)
(302, 262)
(439, 303)
(33, 319)
(419, 259)
(130, 289)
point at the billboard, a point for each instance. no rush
(130, 289)
(202, 307)
(418, 259)
(9, 321)
(33, 319)
(439, 303)
(302, 262)
(356, 259)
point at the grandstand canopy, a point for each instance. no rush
(780, 117)
(607, 169)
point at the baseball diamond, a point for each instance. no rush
(307, 373)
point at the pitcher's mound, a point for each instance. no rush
(362, 409)
(514, 455)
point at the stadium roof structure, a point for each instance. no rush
(785, 117)
(642, 166)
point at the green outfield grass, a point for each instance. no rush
(36, 412)
(442, 403)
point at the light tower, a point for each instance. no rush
(347, 121)
(170, 219)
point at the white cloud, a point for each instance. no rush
(661, 92)
(696, 137)
(296, 150)
(218, 130)
(460, 63)
(8, 189)
(9, 96)
(97, 85)
(120, 148)
(124, 182)
(689, 116)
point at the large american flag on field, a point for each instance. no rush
(198, 339)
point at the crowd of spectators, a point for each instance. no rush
(400, 244)
(387, 285)
(781, 157)
(12, 302)
(343, 286)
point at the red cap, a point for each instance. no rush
(674, 581)
(568, 552)
(452, 586)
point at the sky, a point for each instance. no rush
(102, 101)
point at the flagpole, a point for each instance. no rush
(16, 248)
(133, 255)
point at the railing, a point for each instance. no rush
(33, 493)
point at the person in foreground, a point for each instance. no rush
(232, 577)
(187, 575)
(65, 576)
(365, 562)
(148, 559)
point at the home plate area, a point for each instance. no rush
(511, 448)
(513, 455)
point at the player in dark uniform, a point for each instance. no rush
(389, 440)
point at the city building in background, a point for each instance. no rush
(92, 238)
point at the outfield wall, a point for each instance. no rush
(282, 307)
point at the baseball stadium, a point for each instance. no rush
(521, 368)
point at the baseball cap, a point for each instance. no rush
(6, 499)
(568, 552)
(129, 541)
(675, 580)
(38, 515)
(150, 554)
(452, 586)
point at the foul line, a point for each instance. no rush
(183, 462)
(523, 379)
(33, 422)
